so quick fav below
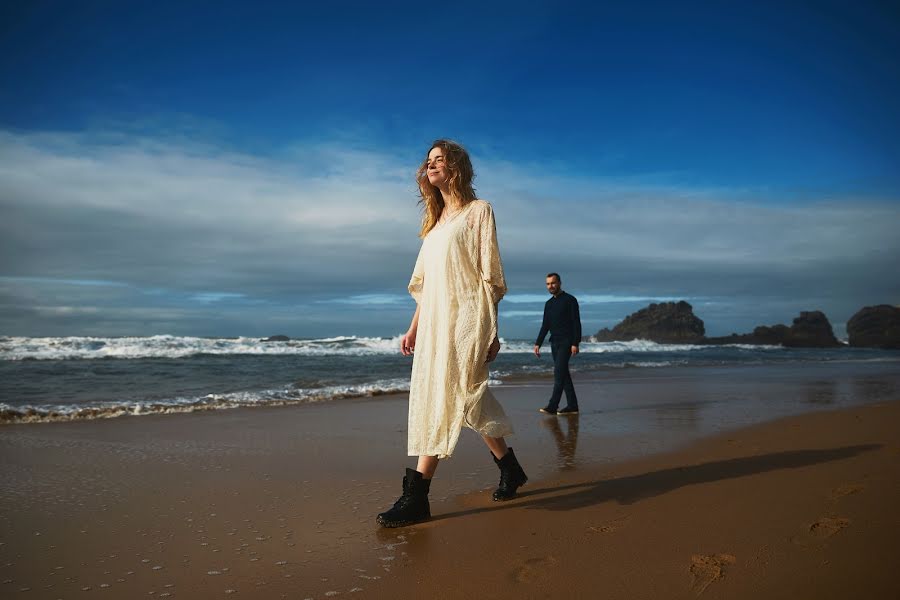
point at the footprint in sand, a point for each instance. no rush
(707, 568)
(821, 530)
(534, 568)
(608, 527)
(846, 490)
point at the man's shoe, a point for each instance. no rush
(547, 410)
(567, 411)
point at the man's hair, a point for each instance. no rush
(549, 275)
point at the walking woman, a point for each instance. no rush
(457, 283)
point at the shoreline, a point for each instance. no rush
(602, 375)
(282, 500)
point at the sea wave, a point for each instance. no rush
(170, 346)
(643, 346)
(274, 397)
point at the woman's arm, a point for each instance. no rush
(494, 348)
(408, 341)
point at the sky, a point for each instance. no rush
(230, 169)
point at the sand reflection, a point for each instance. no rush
(566, 442)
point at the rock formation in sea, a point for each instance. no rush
(875, 327)
(810, 330)
(675, 323)
(664, 323)
(763, 335)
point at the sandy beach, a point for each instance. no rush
(675, 486)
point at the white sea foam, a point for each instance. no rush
(518, 346)
(169, 346)
(273, 397)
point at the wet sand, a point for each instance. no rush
(675, 485)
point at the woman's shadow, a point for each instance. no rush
(633, 488)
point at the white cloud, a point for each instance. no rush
(518, 314)
(371, 300)
(56, 281)
(180, 182)
(584, 299)
(338, 224)
(210, 297)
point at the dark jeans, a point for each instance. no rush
(562, 379)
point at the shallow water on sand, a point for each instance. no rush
(57, 379)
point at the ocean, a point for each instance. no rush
(68, 378)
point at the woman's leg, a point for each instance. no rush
(497, 446)
(427, 465)
(512, 477)
(412, 506)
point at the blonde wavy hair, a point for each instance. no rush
(459, 165)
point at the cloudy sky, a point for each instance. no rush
(224, 169)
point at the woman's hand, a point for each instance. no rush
(408, 343)
(493, 349)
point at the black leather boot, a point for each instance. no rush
(511, 477)
(412, 506)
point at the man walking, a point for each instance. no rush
(563, 321)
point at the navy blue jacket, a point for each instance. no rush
(562, 320)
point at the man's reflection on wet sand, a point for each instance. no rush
(565, 442)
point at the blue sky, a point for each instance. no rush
(229, 169)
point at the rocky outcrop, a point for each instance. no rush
(675, 323)
(763, 335)
(276, 338)
(810, 330)
(664, 323)
(875, 327)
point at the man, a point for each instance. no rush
(563, 321)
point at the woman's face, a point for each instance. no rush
(438, 174)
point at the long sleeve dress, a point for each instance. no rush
(457, 282)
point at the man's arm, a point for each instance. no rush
(545, 327)
(576, 321)
(576, 325)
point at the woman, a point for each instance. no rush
(457, 283)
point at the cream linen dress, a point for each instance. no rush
(457, 282)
